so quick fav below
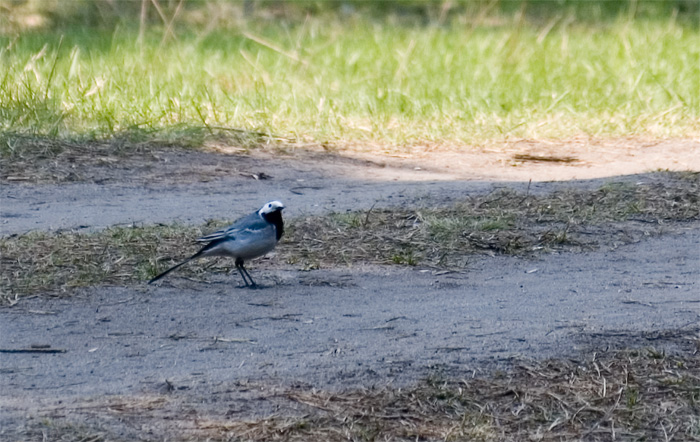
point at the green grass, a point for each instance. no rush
(356, 81)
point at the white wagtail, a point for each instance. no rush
(249, 237)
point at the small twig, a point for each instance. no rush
(169, 29)
(234, 340)
(123, 301)
(380, 327)
(142, 21)
(296, 190)
(32, 350)
(451, 349)
(251, 132)
(544, 158)
(634, 301)
(368, 212)
(274, 47)
(164, 18)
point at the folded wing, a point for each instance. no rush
(251, 222)
(219, 234)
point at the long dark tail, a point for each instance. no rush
(174, 267)
(196, 255)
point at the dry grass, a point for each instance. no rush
(630, 395)
(625, 395)
(504, 222)
(56, 263)
(46, 160)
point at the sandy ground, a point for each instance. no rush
(222, 351)
(339, 329)
(192, 187)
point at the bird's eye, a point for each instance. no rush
(269, 205)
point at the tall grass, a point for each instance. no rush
(356, 80)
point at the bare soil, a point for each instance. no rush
(197, 360)
(519, 160)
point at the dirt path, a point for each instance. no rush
(338, 329)
(192, 187)
(212, 348)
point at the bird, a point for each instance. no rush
(249, 237)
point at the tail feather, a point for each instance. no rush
(196, 255)
(176, 266)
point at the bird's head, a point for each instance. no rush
(271, 207)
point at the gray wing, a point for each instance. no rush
(249, 223)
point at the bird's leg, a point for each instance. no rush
(252, 283)
(241, 270)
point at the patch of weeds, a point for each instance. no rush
(405, 257)
(497, 223)
(452, 224)
(632, 398)
(556, 237)
(348, 220)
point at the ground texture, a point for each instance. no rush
(194, 359)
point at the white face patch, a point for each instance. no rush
(270, 207)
